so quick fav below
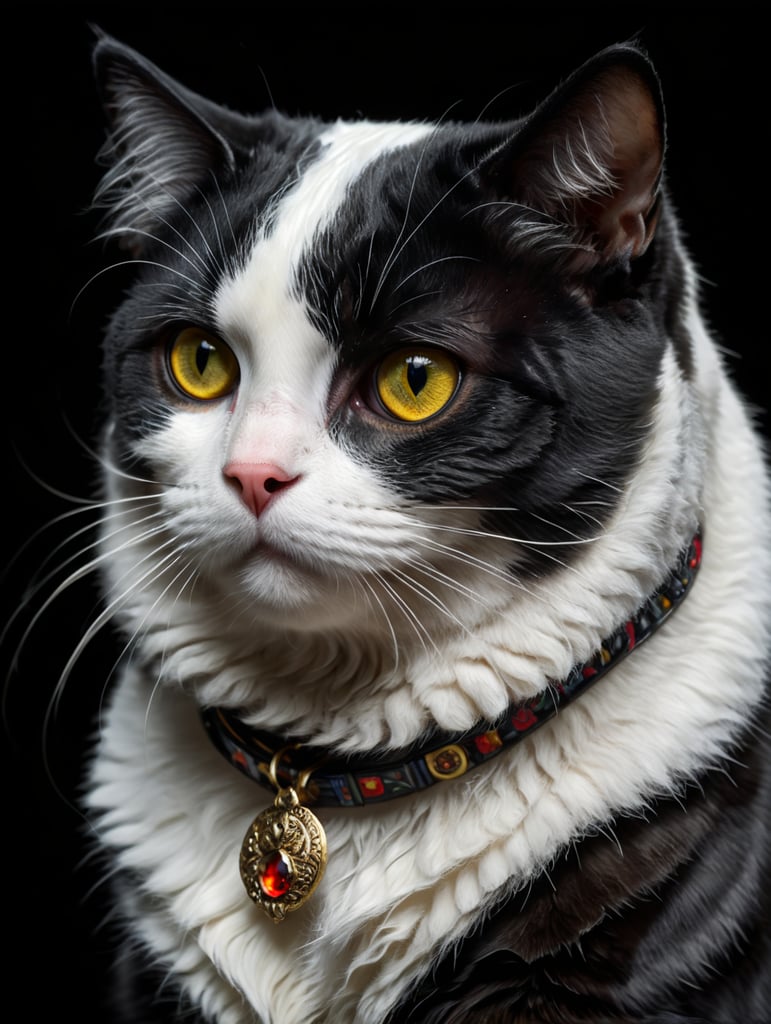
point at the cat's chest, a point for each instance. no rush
(402, 879)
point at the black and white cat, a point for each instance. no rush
(414, 435)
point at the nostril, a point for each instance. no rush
(258, 482)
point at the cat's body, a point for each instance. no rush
(356, 548)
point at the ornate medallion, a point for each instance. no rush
(283, 856)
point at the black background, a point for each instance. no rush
(380, 61)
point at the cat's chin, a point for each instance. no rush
(277, 580)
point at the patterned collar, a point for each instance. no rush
(354, 781)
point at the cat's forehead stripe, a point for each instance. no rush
(259, 296)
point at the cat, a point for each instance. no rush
(436, 538)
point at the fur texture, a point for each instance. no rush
(404, 575)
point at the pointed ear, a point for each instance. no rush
(163, 142)
(590, 157)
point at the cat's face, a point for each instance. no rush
(305, 411)
(366, 368)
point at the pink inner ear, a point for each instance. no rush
(633, 153)
(593, 162)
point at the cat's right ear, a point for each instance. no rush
(163, 143)
(590, 158)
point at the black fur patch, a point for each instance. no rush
(617, 930)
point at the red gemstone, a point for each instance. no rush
(488, 742)
(275, 874)
(371, 786)
(523, 719)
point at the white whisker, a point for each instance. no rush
(411, 617)
(107, 613)
(427, 569)
(422, 591)
(39, 582)
(226, 212)
(602, 483)
(502, 575)
(523, 541)
(81, 573)
(399, 245)
(433, 263)
(199, 262)
(364, 582)
(131, 263)
(139, 629)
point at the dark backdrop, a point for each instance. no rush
(381, 61)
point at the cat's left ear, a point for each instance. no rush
(590, 157)
(165, 142)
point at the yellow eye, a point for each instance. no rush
(414, 384)
(202, 365)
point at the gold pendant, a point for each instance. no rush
(283, 856)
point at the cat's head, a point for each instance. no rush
(370, 375)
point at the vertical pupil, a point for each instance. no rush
(202, 354)
(417, 375)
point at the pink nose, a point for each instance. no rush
(258, 481)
